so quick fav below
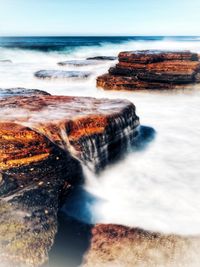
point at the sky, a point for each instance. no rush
(99, 17)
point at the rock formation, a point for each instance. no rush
(20, 92)
(79, 63)
(105, 58)
(152, 70)
(62, 74)
(115, 245)
(43, 141)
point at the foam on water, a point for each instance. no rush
(157, 188)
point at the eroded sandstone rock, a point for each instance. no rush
(152, 70)
(43, 142)
(115, 245)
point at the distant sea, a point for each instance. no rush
(48, 44)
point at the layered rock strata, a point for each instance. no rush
(44, 140)
(152, 70)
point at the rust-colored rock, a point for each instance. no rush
(152, 70)
(114, 82)
(152, 56)
(43, 140)
(115, 245)
(74, 124)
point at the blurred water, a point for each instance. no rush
(156, 188)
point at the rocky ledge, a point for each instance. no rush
(115, 245)
(152, 70)
(44, 141)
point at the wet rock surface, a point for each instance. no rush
(8, 92)
(115, 245)
(79, 63)
(152, 70)
(87, 127)
(105, 58)
(61, 74)
(44, 140)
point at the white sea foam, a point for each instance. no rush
(157, 188)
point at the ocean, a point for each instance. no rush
(155, 187)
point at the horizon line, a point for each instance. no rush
(88, 35)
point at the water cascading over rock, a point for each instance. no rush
(44, 140)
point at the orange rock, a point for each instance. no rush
(43, 139)
(71, 123)
(114, 82)
(152, 70)
(151, 56)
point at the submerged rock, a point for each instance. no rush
(115, 245)
(20, 91)
(43, 142)
(6, 61)
(105, 58)
(152, 70)
(61, 74)
(79, 63)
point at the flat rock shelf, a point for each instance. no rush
(44, 142)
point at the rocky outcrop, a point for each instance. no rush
(44, 140)
(115, 245)
(152, 70)
(61, 74)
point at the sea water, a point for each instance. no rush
(156, 187)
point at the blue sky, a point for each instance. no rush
(99, 17)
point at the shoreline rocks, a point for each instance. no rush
(61, 74)
(44, 141)
(102, 58)
(9, 92)
(116, 245)
(79, 63)
(141, 70)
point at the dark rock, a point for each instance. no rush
(79, 63)
(20, 91)
(6, 61)
(61, 74)
(102, 58)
